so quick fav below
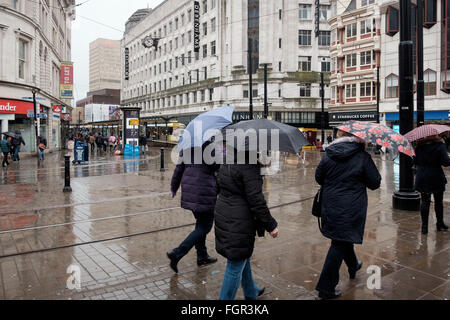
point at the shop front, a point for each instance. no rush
(17, 115)
(435, 117)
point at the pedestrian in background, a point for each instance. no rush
(344, 173)
(16, 143)
(198, 194)
(42, 145)
(329, 139)
(99, 142)
(5, 147)
(431, 155)
(241, 212)
(92, 142)
(112, 141)
(143, 143)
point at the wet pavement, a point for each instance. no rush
(120, 220)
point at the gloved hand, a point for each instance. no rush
(174, 193)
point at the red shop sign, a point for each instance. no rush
(15, 106)
(57, 109)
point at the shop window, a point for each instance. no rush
(429, 78)
(392, 21)
(429, 17)
(392, 86)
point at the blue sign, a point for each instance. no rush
(396, 128)
(429, 115)
(41, 116)
(31, 98)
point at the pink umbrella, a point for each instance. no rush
(426, 131)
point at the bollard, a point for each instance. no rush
(67, 187)
(162, 160)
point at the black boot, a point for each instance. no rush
(352, 273)
(326, 296)
(208, 260)
(173, 260)
(424, 216)
(440, 226)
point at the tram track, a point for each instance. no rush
(127, 235)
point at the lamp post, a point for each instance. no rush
(377, 148)
(406, 198)
(322, 115)
(34, 91)
(420, 83)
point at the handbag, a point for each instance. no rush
(317, 207)
(42, 146)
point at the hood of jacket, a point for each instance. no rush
(344, 148)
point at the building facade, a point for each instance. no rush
(104, 64)
(355, 56)
(436, 66)
(173, 81)
(35, 37)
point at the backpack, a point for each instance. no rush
(15, 142)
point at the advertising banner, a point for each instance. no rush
(66, 80)
(127, 64)
(57, 109)
(88, 113)
(114, 112)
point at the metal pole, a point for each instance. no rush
(250, 77)
(35, 121)
(377, 148)
(406, 198)
(266, 105)
(322, 115)
(67, 187)
(420, 82)
(162, 160)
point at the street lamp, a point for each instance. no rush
(406, 198)
(34, 91)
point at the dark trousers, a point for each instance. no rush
(5, 159)
(197, 238)
(329, 278)
(438, 207)
(92, 147)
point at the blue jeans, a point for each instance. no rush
(41, 153)
(197, 238)
(16, 153)
(238, 272)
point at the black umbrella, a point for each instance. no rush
(10, 134)
(290, 139)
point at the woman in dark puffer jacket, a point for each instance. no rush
(240, 212)
(431, 155)
(198, 194)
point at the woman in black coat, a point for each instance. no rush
(241, 212)
(431, 155)
(344, 173)
(198, 194)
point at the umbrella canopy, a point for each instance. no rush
(290, 139)
(378, 134)
(205, 126)
(10, 134)
(426, 131)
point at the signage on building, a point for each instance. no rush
(317, 18)
(127, 64)
(15, 106)
(66, 80)
(347, 116)
(66, 117)
(57, 109)
(196, 26)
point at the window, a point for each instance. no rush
(304, 37)
(211, 94)
(324, 64)
(324, 12)
(279, 43)
(430, 13)
(22, 58)
(279, 66)
(351, 30)
(213, 4)
(195, 96)
(205, 50)
(304, 12)
(429, 77)
(305, 90)
(333, 93)
(190, 36)
(170, 27)
(15, 4)
(333, 35)
(205, 6)
(182, 59)
(213, 25)
(189, 15)
(213, 48)
(202, 95)
(333, 64)
(392, 86)
(189, 56)
(176, 43)
(176, 24)
(366, 58)
(205, 28)
(182, 40)
(182, 19)
(304, 63)
(351, 60)
(392, 21)
(364, 89)
(324, 38)
(366, 26)
(350, 90)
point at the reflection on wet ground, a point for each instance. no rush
(120, 219)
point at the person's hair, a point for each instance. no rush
(341, 133)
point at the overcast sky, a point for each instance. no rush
(113, 13)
